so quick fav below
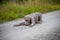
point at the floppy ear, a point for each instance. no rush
(30, 20)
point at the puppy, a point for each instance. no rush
(32, 19)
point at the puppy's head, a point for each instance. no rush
(27, 19)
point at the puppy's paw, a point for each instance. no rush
(30, 25)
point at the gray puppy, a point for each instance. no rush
(31, 19)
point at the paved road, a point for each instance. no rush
(48, 30)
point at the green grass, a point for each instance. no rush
(11, 11)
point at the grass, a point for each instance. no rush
(12, 11)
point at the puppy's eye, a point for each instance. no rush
(26, 20)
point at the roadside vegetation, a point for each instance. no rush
(11, 10)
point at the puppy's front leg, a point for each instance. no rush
(21, 24)
(32, 22)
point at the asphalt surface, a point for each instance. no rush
(49, 29)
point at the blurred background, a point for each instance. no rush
(14, 9)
